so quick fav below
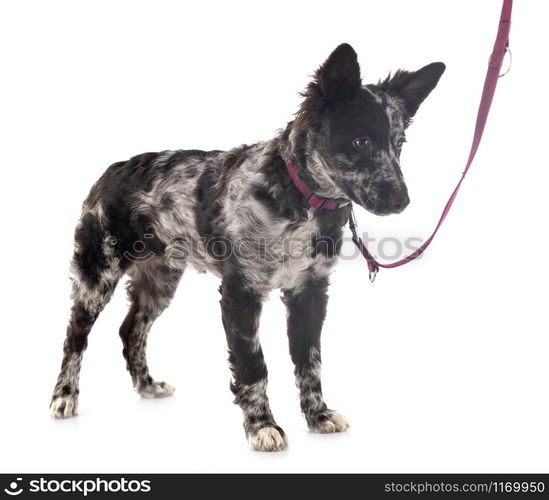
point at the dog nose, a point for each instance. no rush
(399, 200)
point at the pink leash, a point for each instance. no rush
(501, 46)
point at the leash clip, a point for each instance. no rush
(352, 223)
(373, 266)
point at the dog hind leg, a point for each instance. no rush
(95, 272)
(150, 289)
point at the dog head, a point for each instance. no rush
(354, 133)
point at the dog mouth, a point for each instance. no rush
(386, 207)
(385, 198)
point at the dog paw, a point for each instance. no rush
(156, 390)
(64, 406)
(268, 439)
(329, 422)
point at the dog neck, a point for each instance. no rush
(297, 148)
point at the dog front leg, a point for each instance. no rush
(241, 308)
(306, 312)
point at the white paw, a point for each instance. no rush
(64, 407)
(333, 423)
(157, 390)
(267, 439)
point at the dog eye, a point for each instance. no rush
(400, 143)
(362, 143)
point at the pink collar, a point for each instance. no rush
(312, 198)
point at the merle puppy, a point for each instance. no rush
(240, 215)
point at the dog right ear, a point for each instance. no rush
(413, 87)
(339, 77)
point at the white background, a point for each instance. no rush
(441, 366)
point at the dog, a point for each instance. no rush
(240, 215)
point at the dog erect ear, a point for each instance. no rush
(339, 77)
(414, 86)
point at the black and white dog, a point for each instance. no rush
(239, 215)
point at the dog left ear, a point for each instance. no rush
(414, 87)
(339, 77)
